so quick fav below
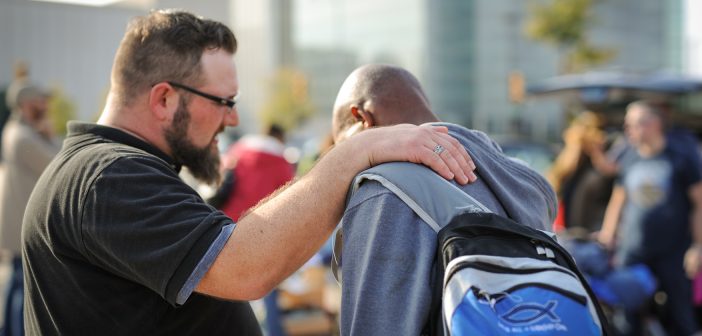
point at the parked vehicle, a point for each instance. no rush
(608, 93)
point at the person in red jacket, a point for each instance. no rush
(258, 169)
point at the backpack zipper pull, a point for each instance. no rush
(488, 298)
(549, 253)
(541, 250)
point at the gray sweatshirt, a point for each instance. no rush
(388, 251)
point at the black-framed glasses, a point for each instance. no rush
(219, 100)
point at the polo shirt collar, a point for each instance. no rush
(120, 136)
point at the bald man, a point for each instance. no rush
(388, 251)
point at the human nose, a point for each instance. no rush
(231, 118)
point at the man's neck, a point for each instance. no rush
(422, 117)
(127, 121)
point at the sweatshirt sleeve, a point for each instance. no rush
(388, 256)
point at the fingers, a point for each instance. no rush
(465, 157)
(445, 155)
(435, 162)
(417, 144)
(455, 157)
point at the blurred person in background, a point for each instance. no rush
(20, 80)
(254, 168)
(582, 175)
(257, 168)
(9, 95)
(654, 214)
(28, 147)
(310, 157)
(115, 243)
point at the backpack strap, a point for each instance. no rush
(435, 200)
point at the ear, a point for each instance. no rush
(363, 115)
(163, 101)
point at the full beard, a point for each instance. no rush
(203, 163)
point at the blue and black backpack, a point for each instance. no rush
(499, 277)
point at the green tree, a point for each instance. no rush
(61, 110)
(564, 24)
(288, 103)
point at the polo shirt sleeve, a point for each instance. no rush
(387, 261)
(140, 221)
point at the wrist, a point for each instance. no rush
(356, 152)
(344, 160)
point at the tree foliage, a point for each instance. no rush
(288, 104)
(61, 109)
(563, 24)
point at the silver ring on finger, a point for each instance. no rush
(438, 149)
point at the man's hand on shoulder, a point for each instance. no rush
(425, 144)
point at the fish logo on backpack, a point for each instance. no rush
(499, 277)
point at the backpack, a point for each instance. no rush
(499, 277)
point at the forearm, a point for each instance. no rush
(611, 220)
(603, 164)
(281, 234)
(612, 214)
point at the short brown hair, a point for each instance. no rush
(165, 45)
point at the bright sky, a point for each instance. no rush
(693, 36)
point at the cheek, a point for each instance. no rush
(204, 125)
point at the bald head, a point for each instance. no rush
(379, 95)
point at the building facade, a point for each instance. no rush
(463, 51)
